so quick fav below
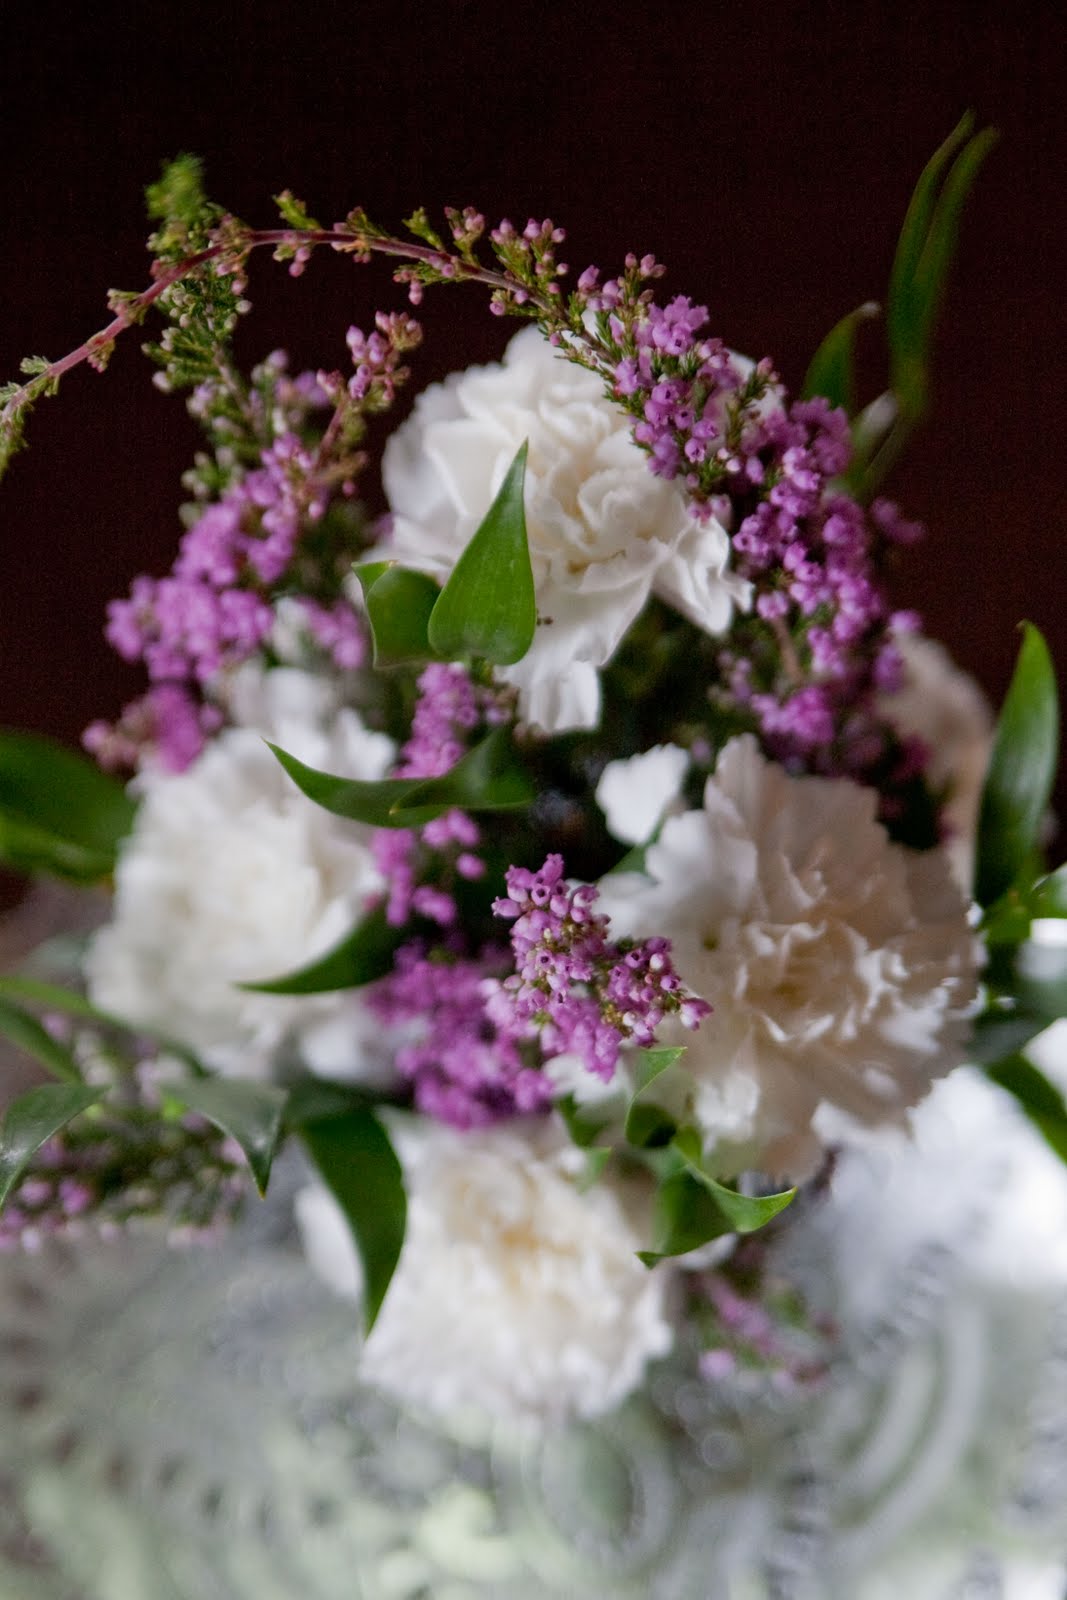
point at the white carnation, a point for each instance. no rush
(516, 1295)
(947, 710)
(841, 966)
(604, 532)
(634, 794)
(232, 874)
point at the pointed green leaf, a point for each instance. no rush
(359, 1166)
(686, 1218)
(488, 778)
(648, 1124)
(830, 373)
(26, 1032)
(53, 997)
(487, 608)
(249, 1112)
(1049, 897)
(1041, 1100)
(356, 799)
(318, 1099)
(1022, 770)
(32, 1119)
(744, 1212)
(58, 812)
(361, 956)
(585, 1123)
(924, 256)
(399, 603)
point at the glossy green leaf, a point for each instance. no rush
(26, 1032)
(1040, 1099)
(53, 997)
(251, 1113)
(924, 256)
(487, 608)
(648, 1124)
(1002, 1030)
(58, 812)
(746, 1213)
(358, 1164)
(360, 957)
(830, 373)
(399, 603)
(1049, 896)
(583, 1123)
(356, 799)
(32, 1119)
(1021, 773)
(487, 778)
(317, 1099)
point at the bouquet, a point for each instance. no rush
(571, 860)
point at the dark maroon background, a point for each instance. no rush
(766, 153)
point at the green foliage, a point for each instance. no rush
(294, 212)
(360, 957)
(487, 778)
(359, 1166)
(399, 605)
(648, 1124)
(177, 201)
(1021, 773)
(28, 1034)
(692, 1207)
(52, 997)
(58, 812)
(31, 1120)
(250, 1113)
(487, 608)
(924, 258)
(830, 373)
(1041, 1100)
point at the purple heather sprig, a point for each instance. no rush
(574, 988)
(464, 1070)
(420, 865)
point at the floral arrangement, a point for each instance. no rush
(569, 860)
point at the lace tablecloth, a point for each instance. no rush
(189, 1425)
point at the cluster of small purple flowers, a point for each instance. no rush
(463, 1069)
(820, 647)
(575, 989)
(115, 1169)
(448, 710)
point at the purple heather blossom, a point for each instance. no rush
(464, 1069)
(575, 989)
(167, 721)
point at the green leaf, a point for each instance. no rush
(399, 603)
(487, 778)
(32, 1119)
(1049, 896)
(924, 257)
(746, 1213)
(487, 608)
(249, 1112)
(1002, 1030)
(356, 799)
(361, 956)
(1041, 1100)
(830, 373)
(52, 996)
(26, 1032)
(58, 812)
(693, 1208)
(359, 1166)
(648, 1124)
(318, 1099)
(1021, 773)
(584, 1123)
